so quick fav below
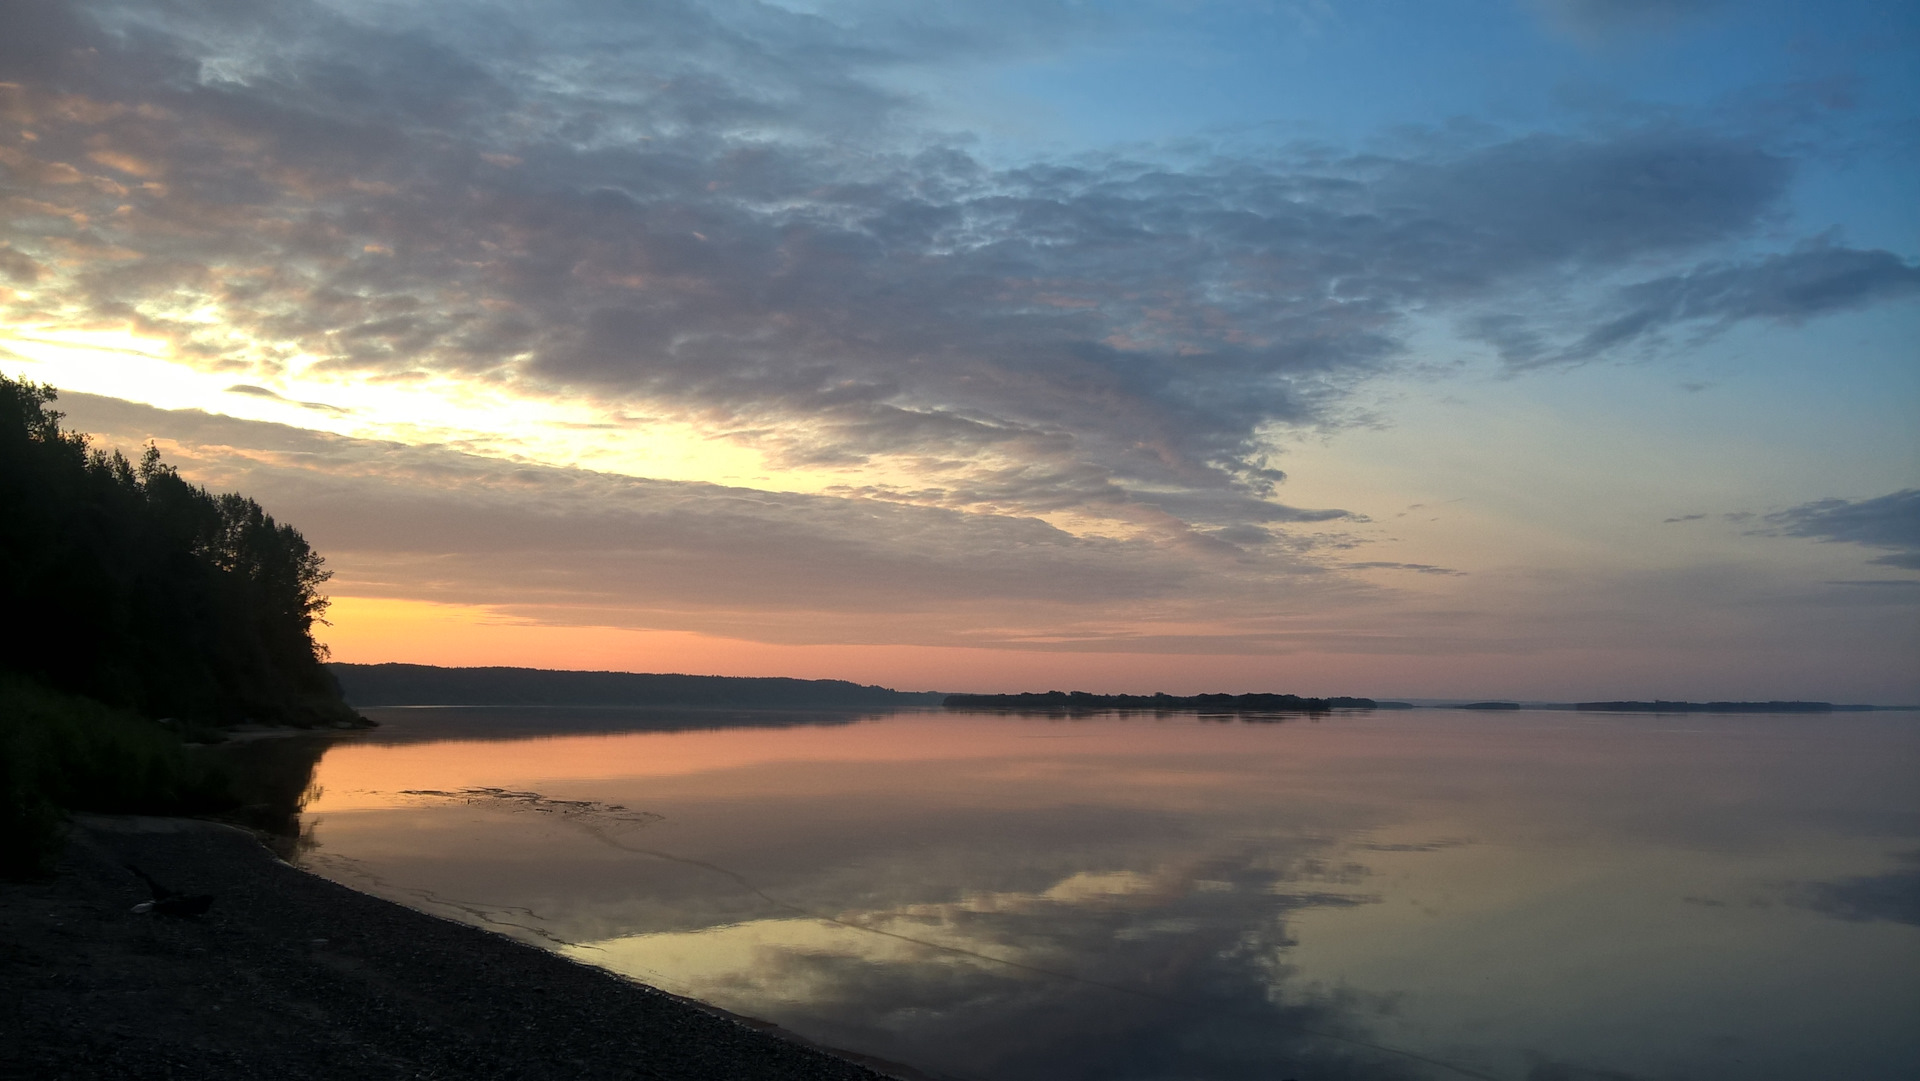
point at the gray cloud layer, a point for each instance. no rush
(570, 545)
(575, 547)
(716, 209)
(1888, 521)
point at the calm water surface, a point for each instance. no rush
(1430, 894)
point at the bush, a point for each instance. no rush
(61, 752)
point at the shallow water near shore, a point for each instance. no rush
(1536, 896)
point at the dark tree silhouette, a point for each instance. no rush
(126, 583)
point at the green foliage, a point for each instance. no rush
(127, 584)
(64, 752)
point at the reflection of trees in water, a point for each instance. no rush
(272, 779)
(1184, 977)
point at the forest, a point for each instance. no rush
(141, 590)
(143, 612)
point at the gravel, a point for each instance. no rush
(291, 976)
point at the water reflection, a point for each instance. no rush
(1120, 974)
(1892, 895)
(272, 782)
(1426, 895)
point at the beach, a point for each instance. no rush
(288, 975)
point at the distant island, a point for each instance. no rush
(369, 685)
(1083, 701)
(1489, 705)
(1718, 707)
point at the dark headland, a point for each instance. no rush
(372, 685)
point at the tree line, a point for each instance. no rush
(127, 584)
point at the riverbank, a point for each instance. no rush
(292, 976)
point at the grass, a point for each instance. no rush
(61, 753)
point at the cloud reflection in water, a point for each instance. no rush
(1526, 896)
(1120, 974)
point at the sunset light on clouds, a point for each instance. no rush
(1543, 348)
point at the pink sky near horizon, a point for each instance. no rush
(373, 631)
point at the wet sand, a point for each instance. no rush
(292, 976)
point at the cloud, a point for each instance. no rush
(1611, 18)
(576, 546)
(1418, 568)
(262, 392)
(573, 547)
(1888, 521)
(17, 267)
(1813, 280)
(728, 217)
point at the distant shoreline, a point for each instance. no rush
(369, 686)
(374, 686)
(1719, 707)
(1055, 701)
(1084, 701)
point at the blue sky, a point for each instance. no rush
(1546, 348)
(1839, 76)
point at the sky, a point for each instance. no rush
(1544, 349)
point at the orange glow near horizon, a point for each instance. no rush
(374, 630)
(360, 776)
